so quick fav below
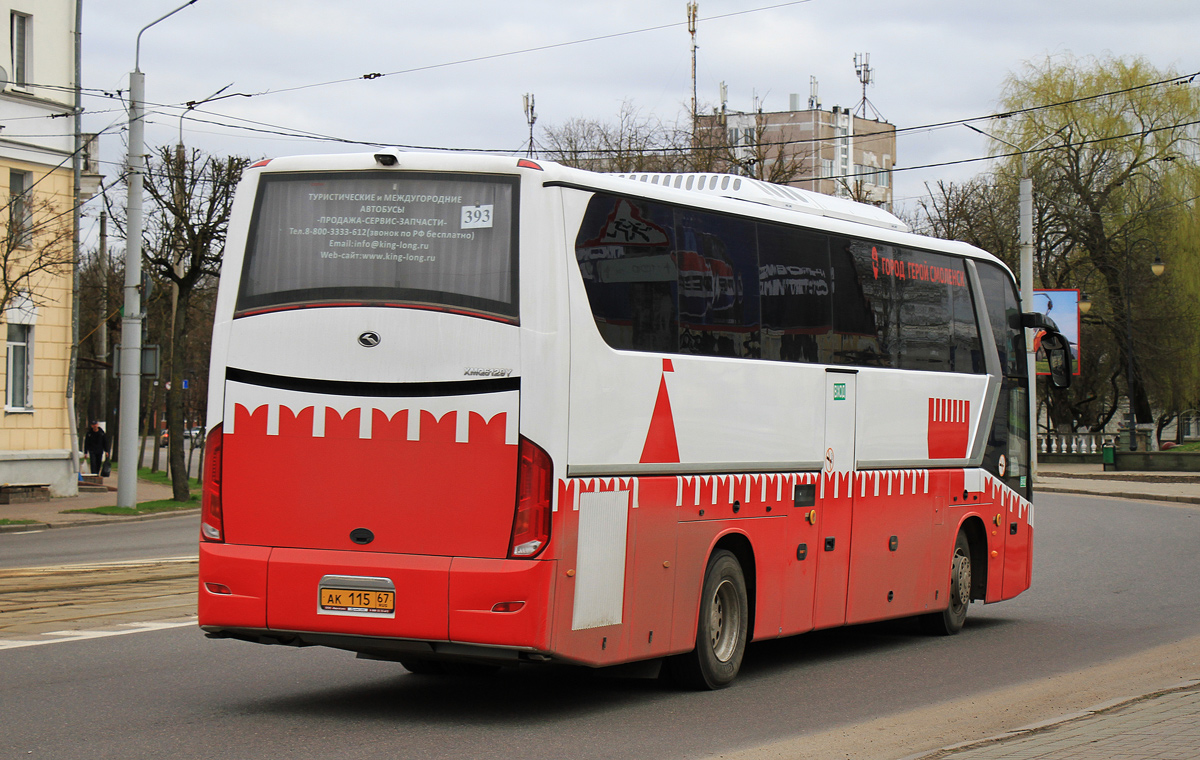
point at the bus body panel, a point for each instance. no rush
(477, 586)
(243, 571)
(1017, 528)
(421, 586)
(415, 345)
(326, 466)
(921, 419)
(892, 545)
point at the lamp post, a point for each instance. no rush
(131, 323)
(1158, 267)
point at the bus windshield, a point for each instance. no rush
(441, 240)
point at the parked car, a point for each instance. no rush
(196, 432)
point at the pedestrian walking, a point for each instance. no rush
(95, 444)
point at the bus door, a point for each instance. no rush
(835, 500)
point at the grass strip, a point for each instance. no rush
(161, 477)
(7, 521)
(143, 508)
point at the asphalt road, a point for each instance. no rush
(1111, 578)
(165, 537)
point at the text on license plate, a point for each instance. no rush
(355, 600)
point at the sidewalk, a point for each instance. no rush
(1183, 487)
(50, 514)
(1163, 726)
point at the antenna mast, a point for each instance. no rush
(862, 67)
(531, 117)
(692, 10)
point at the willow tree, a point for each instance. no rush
(1111, 146)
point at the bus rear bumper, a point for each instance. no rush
(272, 593)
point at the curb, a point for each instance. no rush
(1045, 725)
(1118, 494)
(27, 527)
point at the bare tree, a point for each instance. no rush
(639, 143)
(193, 196)
(633, 143)
(36, 247)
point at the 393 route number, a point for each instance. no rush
(476, 217)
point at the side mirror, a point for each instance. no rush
(1058, 357)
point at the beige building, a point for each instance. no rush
(834, 152)
(36, 180)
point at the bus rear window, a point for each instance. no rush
(437, 240)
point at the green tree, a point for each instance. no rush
(1110, 148)
(1117, 139)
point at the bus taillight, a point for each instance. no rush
(531, 521)
(212, 524)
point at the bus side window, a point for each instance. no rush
(795, 287)
(718, 284)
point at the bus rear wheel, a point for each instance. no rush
(722, 630)
(950, 620)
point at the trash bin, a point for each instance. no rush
(1108, 455)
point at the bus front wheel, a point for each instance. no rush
(722, 629)
(950, 620)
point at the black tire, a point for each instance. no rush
(722, 630)
(950, 620)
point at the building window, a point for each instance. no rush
(20, 354)
(20, 24)
(20, 211)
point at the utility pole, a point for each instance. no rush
(77, 173)
(531, 117)
(102, 331)
(131, 323)
(1025, 239)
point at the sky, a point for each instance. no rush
(934, 61)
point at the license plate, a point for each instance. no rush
(356, 595)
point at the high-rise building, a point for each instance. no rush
(834, 151)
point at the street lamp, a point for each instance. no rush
(1158, 267)
(131, 323)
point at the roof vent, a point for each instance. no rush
(770, 194)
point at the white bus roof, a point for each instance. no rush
(780, 196)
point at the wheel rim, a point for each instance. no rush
(960, 579)
(725, 620)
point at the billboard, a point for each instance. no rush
(1062, 306)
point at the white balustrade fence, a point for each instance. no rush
(1072, 443)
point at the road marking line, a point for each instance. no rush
(64, 636)
(184, 559)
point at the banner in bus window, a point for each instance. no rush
(716, 259)
(444, 239)
(626, 255)
(1062, 306)
(919, 304)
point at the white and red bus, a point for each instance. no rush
(482, 410)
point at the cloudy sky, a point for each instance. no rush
(934, 60)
